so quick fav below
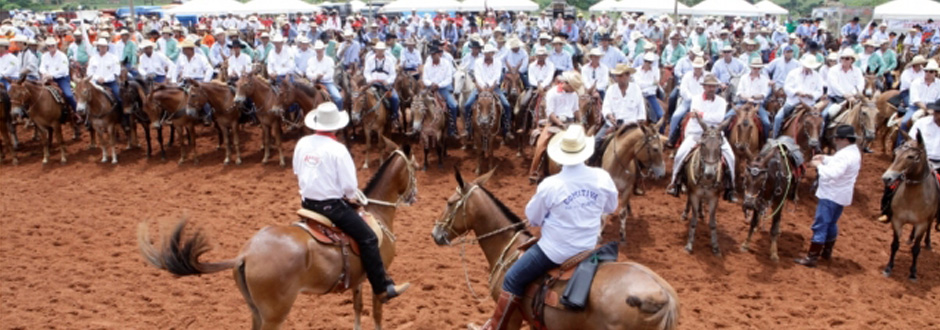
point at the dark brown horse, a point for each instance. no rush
(269, 112)
(281, 261)
(624, 295)
(776, 101)
(369, 109)
(6, 139)
(745, 136)
(590, 108)
(703, 171)
(165, 105)
(429, 123)
(770, 179)
(407, 87)
(28, 98)
(915, 199)
(95, 103)
(133, 95)
(305, 96)
(220, 97)
(804, 127)
(486, 114)
(526, 117)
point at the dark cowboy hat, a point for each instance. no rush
(606, 36)
(238, 44)
(475, 44)
(846, 132)
(390, 36)
(436, 50)
(934, 106)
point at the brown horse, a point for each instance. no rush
(28, 98)
(512, 87)
(95, 103)
(917, 187)
(804, 127)
(6, 139)
(886, 112)
(429, 123)
(407, 87)
(862, 115)
(369, 109)
(486, 114)
(703, 170)
(306, 96)
(269, 112)
(624, 295)
(769, 181)
(667, 81)
(166, 106)
(281, 261)
(590, 107)
(632, 152)
(133, 95)
(745, 136)
(220, 97)
(526, 117)
(776, 101)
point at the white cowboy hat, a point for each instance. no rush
(515, 43)
(186, 43)
(757, 63)
(103, 34)
(932, 66)
(347, 33)
(558, 40)
(318, 45)
(277, 38)
(697, 51)
(489, 49)
(848, 52)
(101, 42)
(50, 41)
(540, 51)
(622, 68)
(919, 59)
(218, 31)
(544, 36)
(650, 57)
(727, 48)
(571, 147)
(326, 117)
(809, 61)
(303, 40)
(379, 46)
(265, 35)
(596, 52)
(146, 43)
(635, 35)
(833, 56)
(698, 62)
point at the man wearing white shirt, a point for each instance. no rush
(623, 104)
(690, 88)
(410, 59)
(929, 128)
(711, 108)
(802, 86)
(193, 66)
(55, 65)
(320, 70)
(754, 89)
(218, 51)
(914, 71)
(517, 61)
(380, 71)
(438, 75)
(924, 92)
(104, 69)
(647, 77)
(486, 78)
(153, 64)
(280, 61)
(541, 73)
(29, 60)
(596, 76)
(559, 57)
(837, 175)
(239, 64)
(302, 55)
(845, 84)
(561, 110)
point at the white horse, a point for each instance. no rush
(463, 85)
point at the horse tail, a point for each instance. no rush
(180, 256)
(666, 310)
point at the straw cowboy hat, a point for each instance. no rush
(146, 43)
(326, 117)
(186, 43)
(919, 59)
(727, 48)
(698, 62)
(697, 51)
(558, 40)
(622, 68)
(540, 51)
(379, 46)
(303, 40)
(50, 41)
(650, 57)
(834, 56)
(166, 30)
(101, 42)
(871, 43)
(932, 66)
(515, 43)
(848, 52)
(489, 49)
(710, 79)
(635, 35)
(757, 63)
(809, 61)
(277, 38)
(573, 78)
(571, 147)
(319, 45)
(596, 52)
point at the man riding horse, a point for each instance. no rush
(154, 65)
(802, 86)
(55, 66)
(754, 89)
(320, 70)
(486, 76)
(104, 69)
(623, 104)
(568, 206)
(380, 73)
(561, 109)
(439, 77)
(326, 175)
(846, 83)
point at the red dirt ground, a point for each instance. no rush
(70, 259)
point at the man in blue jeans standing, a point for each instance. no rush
(837, 175)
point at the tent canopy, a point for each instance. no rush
(726, 8)
(404, 6)
(199, 7)
(512, 5)
(605, 5)
(907, 10)
(768, 7)
(279, 7)
(651, 7)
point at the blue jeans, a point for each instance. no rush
(5, 82)
(657, 110)
(764, 119)
(780, 117)
(334, 94)
(906, 122)
(115, 91)
(159, 78)
(65, 84)
(681, 110)
(447, 92)
(532, 265)
(824, 223)
(906, 97)
(507, 112)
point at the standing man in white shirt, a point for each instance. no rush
(380, 72)
(803, 85)
(29, 65)
(55, 65)
(845, 84)
(438, 75)
(561, 109)
(154, 65)
(104, 69)
(320, 70)
(596, 75)
(837, 175)
(568, 206)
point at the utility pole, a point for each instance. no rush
(133, 15)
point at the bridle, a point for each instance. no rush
(411, 192)
(447, 222)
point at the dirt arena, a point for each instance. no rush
(70, 259)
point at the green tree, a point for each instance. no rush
(15, 4)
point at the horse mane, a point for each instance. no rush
(772, 145)
(513, 218)
(626, 128)
(306, 89)
(374, 180)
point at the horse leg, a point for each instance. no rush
(132, 133)
(103, 146)
(238, 153)
(426, 148)
(915, 250)
(265, 142)
(182, 146)
(368, 133)
(228, 148)
(755, 218)
(377, 312)
(713, 224)
(16, 140)
(92, 132)
(147, 136)
(112, 137)
(277, 141)
(774, 234)
(357, 307)
(46, 142)
(192, 143)
(218, 130)
(160, 141)
(895, 244)
(693, 221)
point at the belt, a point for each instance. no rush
(310, 204)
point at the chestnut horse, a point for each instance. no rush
(95, 104)
(429, 123)
(703, 171)
(166, 105)
(804, 126)
(6, 139)
(770, 179)
(28, 98)
(269, 112)
(306, 96)
(886, 112)
(745, 136)
(915, 199)
(624, 295)
(486, 114)
(590, 107)
(281, 261)
(862, 115)
(631, 153)
(776, 101)
(368, 109)
(220, 97)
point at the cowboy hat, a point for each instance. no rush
(303, 40)
(558, 40)
(757, 63)
(573, 78)
(77, 33)
(697, 51)
(932, 66)
(265, 35)
(871, 43)
(348, 33)
(571, 147)
(622, 68)
(650, 57)
(231, 32)
(186, 43)
(218, 31)
(727, 48)
(596, 52)
(104, 35)
(540, 51)
(635, 35)
(318, 45)
(101, 42)
(489, 49)
(146, 43)
(781, 29)
(409, 42)
(326, 117)
(710, 79)
(919, 59)
(847, 52)
(809, 61)
(698, 63)
(379, 46)
(277, 38)
(515, 43)
(846, 132)
(50, 41)
(166, 30)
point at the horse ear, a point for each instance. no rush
(459, 178)
(920, 139)
(485, 177)
(906, 136)
(700, 121)
(389, 144)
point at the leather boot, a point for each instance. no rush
(673, 190)
(505, 306)
(812, 256)
(393, 291)
(827, 250)
(729, 186)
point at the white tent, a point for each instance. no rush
(605, 5)
(512, 5)
(726, 8)
(404, 6)
(908, 10)
(357, 5)
(768, 7)
(651, 6)
(197, 7)
(279, 7)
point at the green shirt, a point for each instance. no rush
(130, 54)
(890, 59)
(718, 44)
(396, 51)
(673, 55)
(875, 64)
(172, 51)
(261, 52)
(81, 53)
(331, 49)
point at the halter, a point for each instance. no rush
(926, 174)
(447, 223)
(411, 192)
(639, 163)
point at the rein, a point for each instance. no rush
(786, 164)
(411, 192)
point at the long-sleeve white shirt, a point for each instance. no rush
(561, 60)
(541, 75)
(487, 75)
(929, 130)
(156, 64)
(800, 82)
(239, 66)
(324, 169)
(908, 77)
(630, 107)
(280, 63)
(9, 66)
(837, 175)
(56, 65)
(104, 67)
(323, 67)
(561, 103)
(598, 77)
(302, 59)
(750, 86)
(568, 206)
(843, 83)
(647, 79)
(441, 74)
(691, 86)
(713, 112)
(923, 92)
(30, 63)
(382, 70)
(197, 68)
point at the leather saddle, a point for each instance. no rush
(324, 231)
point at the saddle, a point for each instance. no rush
(380, 91)
(325, 232)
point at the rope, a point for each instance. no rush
(786, 163)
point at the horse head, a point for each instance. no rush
(420, 110)
(132, 94)
(83, 90)
(871, 84)
(910, 160)
(454, 222)
(755, 179)
(196, 99)
(868, 118)
(744, 127)
(485, 109)
(649, 155)
(810, 126)
(362, 99)
(710, 149)
(20, 98)
(243, 88)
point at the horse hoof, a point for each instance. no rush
(744, 248)
(283, 164)
(238, 161)
(775, 258)
(912, 278)
(104, 160)
(688, 248)
(180, 162)
(226, 162)
(45, 161)
(114, 160)
(886, 273)
(716, 252)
